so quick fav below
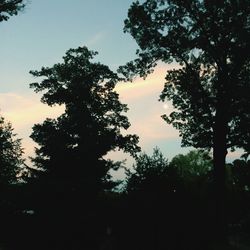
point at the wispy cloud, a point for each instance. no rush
(150, 126)
(140, 88)
(96, 38)
(234, 155)
(145, 109)
(23, 111)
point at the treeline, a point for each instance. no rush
(160, 205)
(67, 198)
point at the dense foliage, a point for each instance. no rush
(210, 89)
(68, 201)
(72, 147)
(209, 40)
(10, 8)
(11, 161)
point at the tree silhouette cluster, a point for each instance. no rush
(210, 90)
(68, 200)
(10, 8)
(10, 154)
(73, 146)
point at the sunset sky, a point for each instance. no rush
(40, 36)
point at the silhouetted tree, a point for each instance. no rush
(240, 175)
(149, 172)
(210, 90)
(194, 163)
(168, 201)
(10, 148)
(239, 199)
(73, 146)
(11, 165)
(153, 172)
(11, 152)
(10, 8)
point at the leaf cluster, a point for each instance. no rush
(11, 153)
(10, 8)
(74, 144)
(209, 42)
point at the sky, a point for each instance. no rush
(42, 33)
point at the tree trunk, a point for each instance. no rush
(219, 164)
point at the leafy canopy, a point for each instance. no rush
(194, 163)
(151, 173)
(73, 146)
(210, 42)
(154, 173)
(10, 8)
(11, 152)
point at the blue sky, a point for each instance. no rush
(41, 34)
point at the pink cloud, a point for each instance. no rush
(144, 108)
(23, 111)
(141, 88)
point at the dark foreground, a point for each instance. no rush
(157, 221)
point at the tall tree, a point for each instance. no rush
(210, 90)
(11, 152)
(149, 172)
(73, 146)
(194, 163)
(10, 8)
